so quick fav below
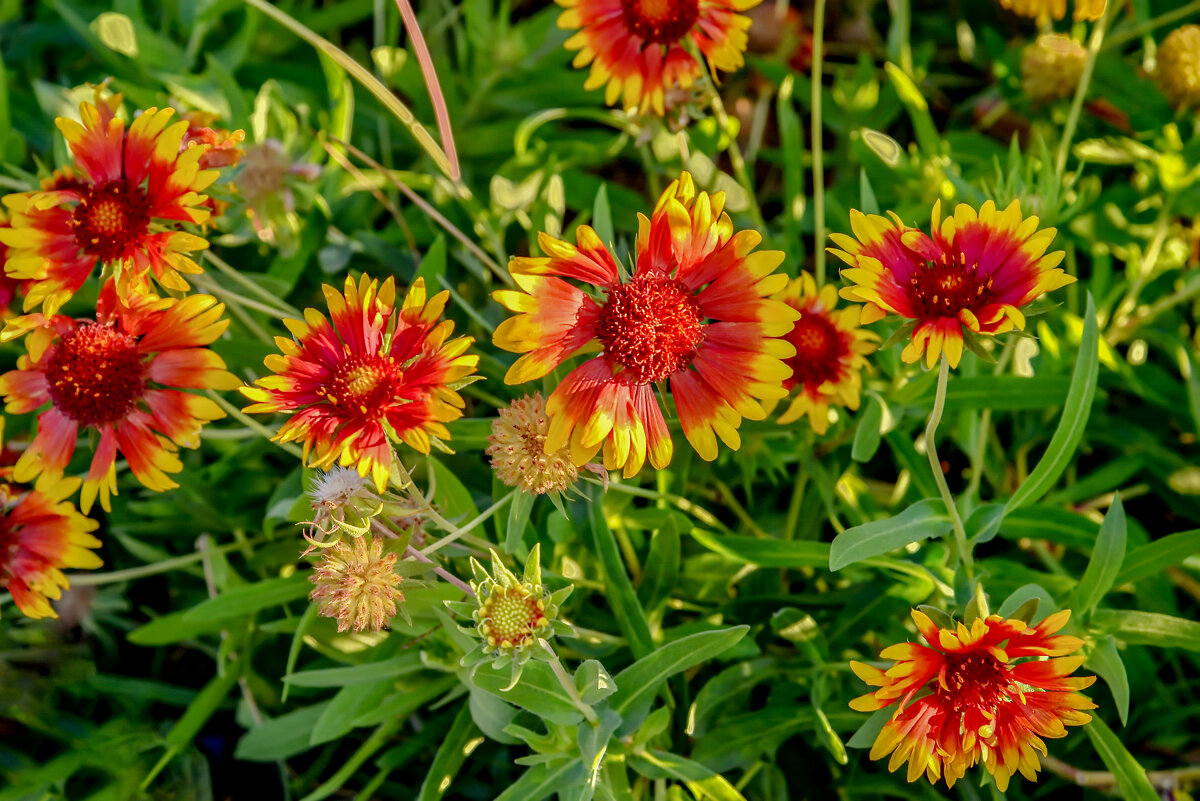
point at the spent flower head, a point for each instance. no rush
(357, 584)
(513, 616)
(1051, 67)
(1178, 70)
(517, 446)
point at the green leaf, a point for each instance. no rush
(865, 735)
(868, 434)
(1148, 628)
(1151, 559)
(1130, 776)
(765, 553)
(662, 563)
(1105, 563)
(1022, 596)
(620, 595)
(451, 496)
(702, 782)
(867, 203)
(538, 691)
(195, 716)
(433, 263)
(922, 520)
(246, 599)
(174, 627)
(456, 746)
(638, 683)
(543, 780)
(372, 671)
(347, 704)
(602, 217)
(728, 684)
(1105, 660)
(1074, 418)
(281, 737)
(518, 519)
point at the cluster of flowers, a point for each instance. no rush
(703, 315)
(123, 205)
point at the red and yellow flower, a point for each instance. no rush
(830, 353)
(974, 271)
(989, 692)
(40, 534)
(123, 210)
(10, 288)
(697, 311)
(122, 375)
(371, 374)
(639, 48)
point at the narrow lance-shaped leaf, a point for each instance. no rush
(1105, 564)
(1074, 418)
(922, 520)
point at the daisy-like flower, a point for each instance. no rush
(40, 534)
(1043, 10)
(830, 353)
(974, 271)
(697, 311)
(124, 210)
(123, 376)
(370, 374)
(639, 48)
(989, 697)
(357, 584)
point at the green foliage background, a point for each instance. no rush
(193, 667)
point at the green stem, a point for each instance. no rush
(455, 533)
(165, 566)
(225, 268)
(935, 464)
(1183, 12)
(1085, 81)
(568, 684)
(351, 765)
(985, 424)
(818, 155)
(737, 160)
(251, 423)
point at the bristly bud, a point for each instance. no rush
(513, 616)
(1051, 67)
(357, 584)
(344, 502)
(517, 446)
(1178, 70)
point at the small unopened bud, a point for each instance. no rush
(1178, 70)
(1051, 67)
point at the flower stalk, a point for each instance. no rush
(935, 465)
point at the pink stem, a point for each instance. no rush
(409, 18)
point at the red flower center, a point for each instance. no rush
(662, 22)
(976, 680)
(942, 290)
(110, 218)
(819, 351)
(651, 327)
(363, 383)
(95, 374)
